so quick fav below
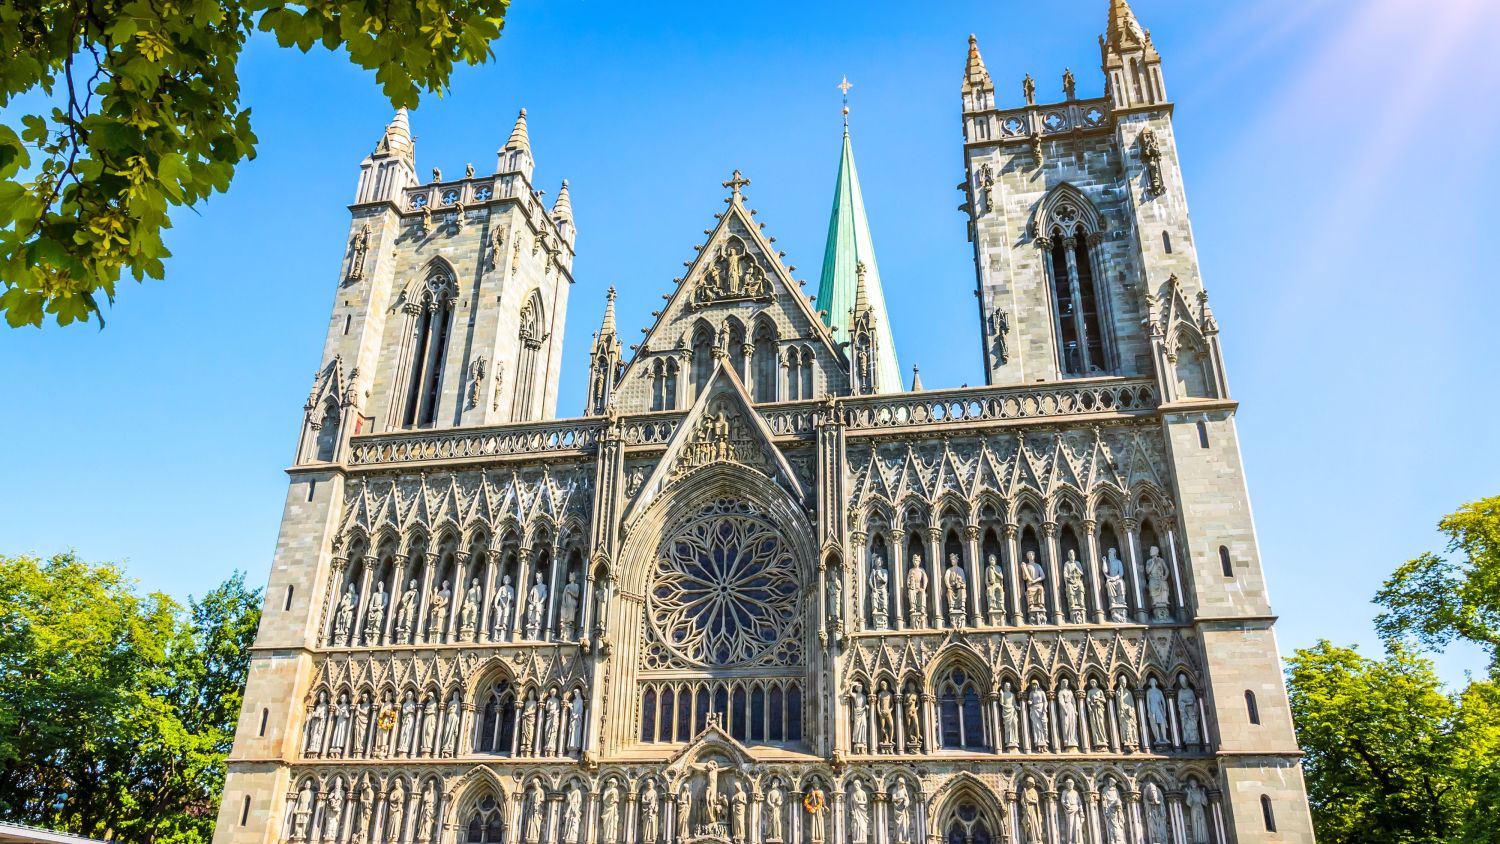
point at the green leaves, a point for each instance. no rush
(117, 711)
(153, 120)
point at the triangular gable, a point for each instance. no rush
(713, 739)
(721, 428)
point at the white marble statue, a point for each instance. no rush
(536, 608)
(341, 714)
(551, 725)
(1072, 575)
(429, 725)
(437, 612)
(650, 806)
(911, 704)
(737, 811)
(835, 596)
(317, 725)
(375, 615)
(536, 813)
(528, 725)
(451, 719)
(1156, 815)
(505, 599)
(395, 813)
(901, 807)
(1033, 831)
(609, 814)
(684, 811)
(774, 812)
(302, 812)
(426, 805)
(333, 811)
(573, 815)
(361, 725)
(885, 715)
(575, 721)
(956, 584)
(1036, 706)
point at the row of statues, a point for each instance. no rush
(363, 815)
(532, 622)
(954, 604)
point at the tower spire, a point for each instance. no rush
(1131, 63)
(515, 156)
(977, 89)
(849, 250)
(604, 369)
(391, 168)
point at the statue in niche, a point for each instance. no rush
(901, 805)
(333, 811)
(1098, 709)
(1113, 809)
(575, 721)
(1010, 716)
(774, 801)
(911, 701)
(406, 612)
(528, 725)
(957, 584)
(1067, 715)
(1130, 738)
(880, 584)
(650, 805)
(316, 725)
(364, 811)
(859, 814)
(609, 814)
(1114, 586)
(1036, 589)
(395, 812)
(567, 611)
(375, 616)
(437, 609)
(505, 599)
(1036, 706)
(361, 724)
(551, 726)
(1073, 581)
(601, 604)
(816, 806)
(385, 722)
(994, 591)
(1197, 812)
(536, 607)
(1187, 712)
(343, 620)
(860, 712)
(361, 245)
(450, 726)
(536, 810)
(429, 725)
(573, 814)
(302, 812)
(1156, 715)
(1156, 185)
(737, 806)
(1032, 830)
(916, 593)
(1156, 816)
(684, 811)
(340, 726)
(468, 614)
(1072, 813)
(1158, 584)
(835, 598)
(885, 714)
(425, 802)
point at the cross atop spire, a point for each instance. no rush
(736, 182)
(844, 86)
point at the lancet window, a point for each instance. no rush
(967, 824)
(753, 711)
(496, 733)
(799, 373)
(702, 357)
(532, 335)
(431, 311)
(763, 362)
(960, 715)
(664, 384)
(486, 822)
(1068, 230)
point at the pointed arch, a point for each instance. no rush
(966, 806)
(429, 300)
(764, 374)
(533, 333)
(1068, 228)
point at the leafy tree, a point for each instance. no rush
(145, 114)
(117, 711)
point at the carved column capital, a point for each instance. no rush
(898, 534)
(1049, 529)
(858, 537)
(339, 563)
(1011, 529)
(934, 534)
(971, 532)
(1089, 525)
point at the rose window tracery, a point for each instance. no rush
(725, 592)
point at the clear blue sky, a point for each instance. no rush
(1341, 168)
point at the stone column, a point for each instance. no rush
(859, 578)
(1012, 817)
(1172, 724)
(585, 618)
(929, 721)
(460, 589)
(1012, 575)
(1142, 615)
(1095, 816)
(1085, 735)
(1142, 722)
(491, 589)
(794, 817)
(1054, 572)
(523, 592)
(429, 569)
(1176, 573)
(898, 579)
(1216, 816)
(1080, 328)
(628, 820)
(1175, 820)
(1133, 800)
(1091, 565)
(356, 627)
(836, 817)
(976, 575)
(334, 588)
(1050, 826)
(554, 595)
(937, 612)
(992, 721)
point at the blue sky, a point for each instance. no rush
(1340, 159)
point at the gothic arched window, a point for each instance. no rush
(497, 725)
(1069, 231)
(763, 366)
(960, 714)
(485, 823)
(532, 336)
(967, 825)
(658, 385)
(703, 357)
(431, 312)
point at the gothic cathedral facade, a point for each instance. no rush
(762, 592)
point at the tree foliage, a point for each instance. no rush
(117, 710)
(146, 115)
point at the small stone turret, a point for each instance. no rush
(1132, 66)
(604, 359)
(515, 156)
(391, 168)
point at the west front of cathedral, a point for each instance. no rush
(762, 591)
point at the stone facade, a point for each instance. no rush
(749, 597)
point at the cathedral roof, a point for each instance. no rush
(849, 247)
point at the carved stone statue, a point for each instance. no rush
(609, 814)
(817, 807)
(317, 725)
(1010, 716)
(737, 806)
(1196, 800)
(395, 813)
(1067, 715)
(859, 710)
(1098, 709)
(880, 586)
(994, 592)
(601, 605)
(1113, 809)
(885, 716)
(437, 612)
(575, 721)
(375, 616)
(774, 810)
(451, 718)
(429, 725)
(361, 725)
(528, 725)
(1158, 578)
(916, 593)
(1156, 715)
(366, 811)
(468, 614)
(333, 811)
(567, 611)
(859, 814)
(1036, 705)
(1187, 713)
(302, 812)
(835, 599)
(650, 805)
(956, 583)
(684, 811)
(1156, 815)
(341, 715)
(551, 725)
(1073, 582)
(536, 812)
(343, 621)
(911, 703)
(1114, 587)
(1036, 589)
(426, 804)
(1130, 737)
(1032, 829)
(1072, 813)
(901, 806)
(505, 599)
(406, 612)
(385, 723)
(536, 607)
(572, 814)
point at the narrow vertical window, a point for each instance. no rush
(1225, 562)
(1069, 233)
(658, 385)
(1270, 816)
(1166, 242)
(348, 321)
(431, 320)
(670, 396)
(532, 337)
(702, 358)
(287, 604)
(807, 373)
(245, 811)
(648, 716)
(265, 715)
(312, 489)
(1202, 435)
(1251, 707)
(764, 369)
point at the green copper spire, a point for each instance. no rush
(849, 246)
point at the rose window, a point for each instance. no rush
(725, 590)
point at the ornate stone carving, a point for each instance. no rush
(732, 273)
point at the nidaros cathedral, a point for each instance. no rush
(761, 592)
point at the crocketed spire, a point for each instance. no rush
(519, 139)
(562, 209)
(976, 77)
